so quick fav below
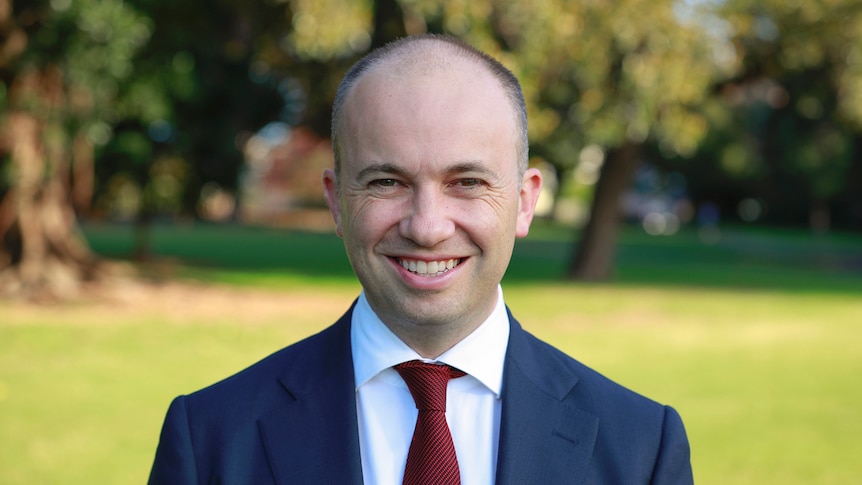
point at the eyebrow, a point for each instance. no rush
(391, 168)
(469, 166)
(376, 168)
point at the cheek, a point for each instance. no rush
(489, 226)
(368, 219)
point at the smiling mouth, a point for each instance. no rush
(428, 268)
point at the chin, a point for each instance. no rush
(424, 317)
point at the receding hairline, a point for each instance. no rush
(424, 54)
(420, 55)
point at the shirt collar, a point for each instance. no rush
(480, 354)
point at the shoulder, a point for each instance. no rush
(635, 435)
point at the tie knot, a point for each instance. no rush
(427, 383)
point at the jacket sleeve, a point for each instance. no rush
(175, 461)
(673, 465)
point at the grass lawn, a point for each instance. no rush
(756, 341)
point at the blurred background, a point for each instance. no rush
(699, 237)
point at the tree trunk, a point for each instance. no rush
(388, 22)
(43, 255)
(83, 174)
(595, 253)
(819, 216)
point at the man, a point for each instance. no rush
(429, 191)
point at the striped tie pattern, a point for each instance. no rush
(431, 459)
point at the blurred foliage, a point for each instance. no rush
(763, 95)
(593, 72)
(69, 64)
(90, 44)
(804, 37)
(330, 28)
(200, 80)
(785, 128)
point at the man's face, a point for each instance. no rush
(430, 196)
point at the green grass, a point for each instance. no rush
(756, 341)
(766, 382)
(744, 258)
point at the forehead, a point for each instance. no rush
(432, 109)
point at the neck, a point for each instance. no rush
(430, 341)
(431, 333)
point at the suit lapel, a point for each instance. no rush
(544, 437)
(321, 415)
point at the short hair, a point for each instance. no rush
(406, 47)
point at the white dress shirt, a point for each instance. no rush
(386, 410)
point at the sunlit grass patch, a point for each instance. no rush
(763, 372)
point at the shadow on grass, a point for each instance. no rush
(781, 260)
(743, 258)
(229, 247)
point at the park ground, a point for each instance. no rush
(755, 341)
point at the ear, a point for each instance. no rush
(531, 187)
(330, 190)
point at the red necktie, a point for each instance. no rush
(431, 459)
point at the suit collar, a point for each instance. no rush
(544, 436)
(322, 412)
(480, 354)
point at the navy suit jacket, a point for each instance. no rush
(291, 419)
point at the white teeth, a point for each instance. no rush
(429, 268)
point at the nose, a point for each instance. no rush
(428, 219)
